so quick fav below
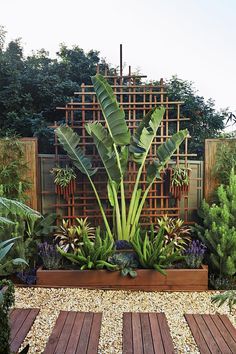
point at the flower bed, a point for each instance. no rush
(147, 279)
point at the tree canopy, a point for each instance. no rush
(32, 87)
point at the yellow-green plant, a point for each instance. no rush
(70, 237)
(92, 254)
(115, 146)
(153, 252)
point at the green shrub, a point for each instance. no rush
(218, 232)
(153, 252)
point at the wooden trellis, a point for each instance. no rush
(136, 99)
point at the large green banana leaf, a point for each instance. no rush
(105, 149)
(70, 140)
(14, 207)
(164, 153)
(113, 114)
(145, 134)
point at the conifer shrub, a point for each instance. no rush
(218, 232)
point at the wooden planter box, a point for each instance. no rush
(147, 279)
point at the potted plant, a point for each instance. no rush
(64, 179)
(179, 181)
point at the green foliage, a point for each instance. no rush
(174, 232)
(126, 262)
(12, 169)
(33, 86)
(63, 176)
(5, 247)
(22, 220)
(219, 229)
(225, 160)
(228, 296)
(92, 254)
(112, 144)
(152, 251)
(6, 301)
(180, 176)
(70, 237)
(205, 121)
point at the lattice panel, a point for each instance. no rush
(136, 99)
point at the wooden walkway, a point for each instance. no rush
(75, 333)
(213, 333)
(21, 321)
(146, 333)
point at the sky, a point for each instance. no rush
(193, 39)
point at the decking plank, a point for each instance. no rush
(156, 334)
(21, 321)
(165, 334)
(197, 334)
(216, 335)
(65, 333)
(224, 332)
(230, 328)
(127, 333)
(146, 334)
(213, 333)
(94, 334)
(75, 333)
(56, 332)
(85, 333)
(17, 323)
(137, 334)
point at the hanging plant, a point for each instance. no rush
(64, 179)
(179, 181)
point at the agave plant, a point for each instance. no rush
(115, 147)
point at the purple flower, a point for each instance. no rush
(194, 254)
(50, 257)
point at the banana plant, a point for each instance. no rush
(115, 147)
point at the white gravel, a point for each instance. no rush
(112, 304)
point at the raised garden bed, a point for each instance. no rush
(147, 279)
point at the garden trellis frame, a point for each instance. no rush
(136, 99)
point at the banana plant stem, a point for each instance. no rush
(138, 213)
(101, 207)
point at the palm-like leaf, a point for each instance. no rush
(70, 140)
(105, 148)
(113, 114)
(164, 153)
(145, 134)
(14, 207)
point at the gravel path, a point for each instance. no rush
(113, 304)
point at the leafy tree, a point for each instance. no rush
(206, 121)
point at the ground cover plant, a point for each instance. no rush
(115, 147)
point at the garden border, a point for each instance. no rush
(146, 280)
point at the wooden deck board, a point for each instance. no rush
(21, 321)
(75, 332)
(146, 333)
(213, 334)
